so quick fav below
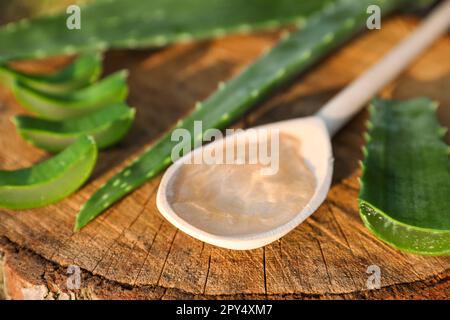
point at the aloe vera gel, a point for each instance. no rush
(238, 199)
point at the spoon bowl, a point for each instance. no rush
(315, 149)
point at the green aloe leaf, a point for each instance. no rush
(405, 185)
(49, 181)
(83, 71)
(107, 126)
(155, 23)
(111, 90)
(325, 31)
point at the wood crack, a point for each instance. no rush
(207, 274)
(167, 256)
(265, 270)
(148, 253)
(338, 225)
(341, 231)
(114, 242)
(324, 262)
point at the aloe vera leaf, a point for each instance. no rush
(325, 31)
(49, 181)
(405, 185)
(83, 71)
(107, 126)
(137, 23)
(111, 90)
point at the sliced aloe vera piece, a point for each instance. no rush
(324, 32)
(107, 126)
(155, 23)
(111, 90)
(49, 181)
(81, 72)
(405, 185)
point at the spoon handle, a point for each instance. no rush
(349, 101)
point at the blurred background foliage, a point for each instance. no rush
(12, 10)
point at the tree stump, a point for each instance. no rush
(132, 252)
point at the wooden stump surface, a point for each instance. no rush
(132, 252)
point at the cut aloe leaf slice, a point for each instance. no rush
(111, 90)
(81, 72)
(324, 31)
(49, 181)
(107, 126)
(155, 23)
(405, 185)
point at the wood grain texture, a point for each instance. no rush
(132, 252)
